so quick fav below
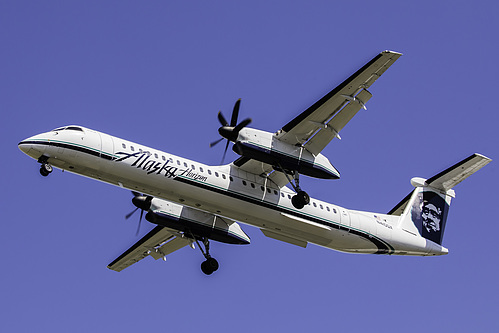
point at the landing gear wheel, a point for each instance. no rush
(209, 266)
(300, 199)
(45, 169)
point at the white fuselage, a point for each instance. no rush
(226, 191)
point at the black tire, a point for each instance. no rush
(297, 202)
(212, 263)
(304, 197)
(44, 172)
(206, 268)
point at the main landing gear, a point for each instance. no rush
(210, 265)
(301, 198)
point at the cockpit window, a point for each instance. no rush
(72, 128)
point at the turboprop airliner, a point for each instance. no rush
(191, 203)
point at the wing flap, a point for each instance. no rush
(157, 243)
(302, 128)
(331, 130)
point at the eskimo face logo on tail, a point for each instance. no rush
(432, 216)
(429, 212)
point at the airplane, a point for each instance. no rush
(191, 203)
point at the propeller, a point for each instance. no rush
(142, 202)
(230, 131)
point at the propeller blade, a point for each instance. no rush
(242, 124)
(214, 143)
(131, 213)
(140, 221)
(221, 119)
(225, 151)
(235, 113)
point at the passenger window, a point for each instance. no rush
(155, 155)
(252, 185)
(223, 176)
(185, 164)
(193, 167)
(276, 193)
(123, 145)
(131, 148)
(268, 190)
(244, 183)
(216, 174)
(231, 179)
(201, 169)
(209, 171)
(321, 206)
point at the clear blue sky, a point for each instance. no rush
(157, 72)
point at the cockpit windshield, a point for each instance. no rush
(71, 128)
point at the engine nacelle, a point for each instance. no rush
(196, 222)
(264, 147)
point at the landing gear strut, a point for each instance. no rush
(45, 169)
(301, 198)
(210, 265)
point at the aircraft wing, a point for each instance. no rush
(315, 127)
(319, 124)
(158, 243)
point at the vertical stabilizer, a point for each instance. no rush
(428, 213)
(425, 210)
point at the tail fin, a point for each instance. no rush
(425, 210)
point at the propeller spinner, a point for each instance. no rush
(230, 131)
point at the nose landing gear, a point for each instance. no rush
(45, 169)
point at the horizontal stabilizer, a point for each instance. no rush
(452, 176)
(445, 180)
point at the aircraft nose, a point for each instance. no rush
(32, 146)
(25, 146)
